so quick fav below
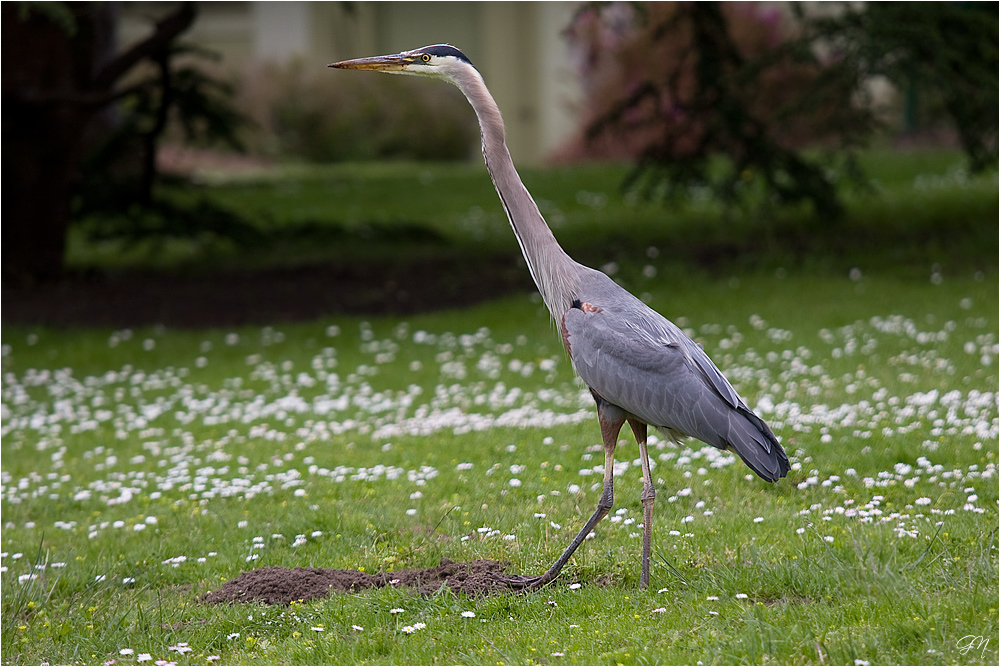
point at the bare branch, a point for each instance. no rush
(166, 30)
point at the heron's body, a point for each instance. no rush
(640, 367)
(636, 359)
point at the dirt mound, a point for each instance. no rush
(282, 585)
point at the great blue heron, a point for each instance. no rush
(639, 366)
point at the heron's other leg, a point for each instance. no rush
(647, 497)
(612, 420)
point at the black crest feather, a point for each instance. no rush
(444, 50)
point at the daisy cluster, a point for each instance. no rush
(130, 655)
(136, 435)
(52, 410)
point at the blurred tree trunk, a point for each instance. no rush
(60, 70)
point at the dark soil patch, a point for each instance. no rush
(282, 586)
(234, 298)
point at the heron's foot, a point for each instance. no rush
(519, 582)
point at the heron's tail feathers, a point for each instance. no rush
(753, 441)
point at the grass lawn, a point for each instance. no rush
(142, 468)
(919, 209)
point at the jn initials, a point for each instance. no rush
(970, 642)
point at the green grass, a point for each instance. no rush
(922, 208)
(385, 443)
(882, 390)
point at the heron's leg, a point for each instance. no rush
(611, 425)
(647, 497)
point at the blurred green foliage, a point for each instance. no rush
(944, 55)
(722, 99)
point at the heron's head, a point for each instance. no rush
(440, 61)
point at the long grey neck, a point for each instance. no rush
(551, 268)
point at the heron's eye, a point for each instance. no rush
(426, 57)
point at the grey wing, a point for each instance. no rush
(646, 366)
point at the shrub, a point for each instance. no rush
(726, 96)
(674, 86)
(653, 68)
(317, 116)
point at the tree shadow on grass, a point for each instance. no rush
(265, 296)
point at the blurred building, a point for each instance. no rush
(517, 46)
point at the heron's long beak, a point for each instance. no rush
(393, 63)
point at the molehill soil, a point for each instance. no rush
(282, 585)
